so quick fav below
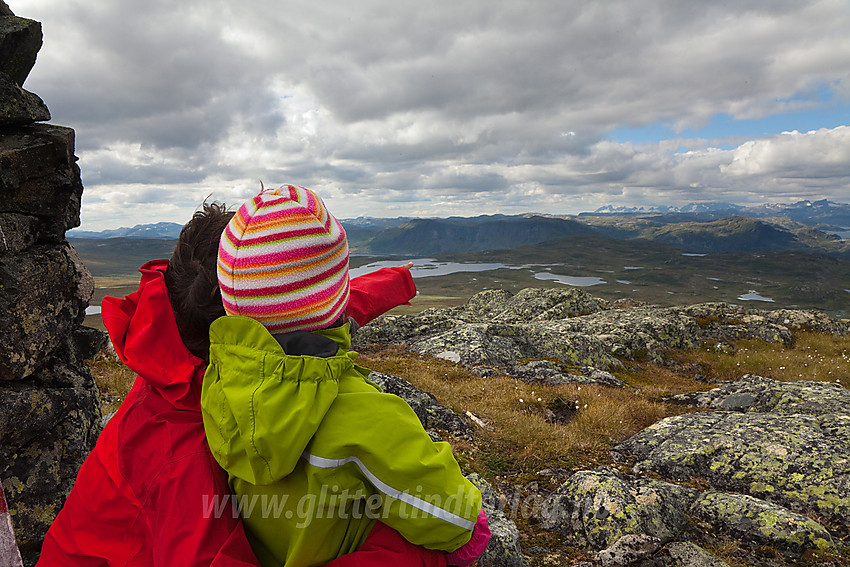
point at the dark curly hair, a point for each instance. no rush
(191, 277)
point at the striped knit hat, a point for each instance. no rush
(283, 260)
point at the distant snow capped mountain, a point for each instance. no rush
(620, 210)
(689, 208)
(373, 222)
(822, 212)
(709, 207)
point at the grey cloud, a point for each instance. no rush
(406, 102)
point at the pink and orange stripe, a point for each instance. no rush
(283, 260)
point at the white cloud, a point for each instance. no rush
(795, 155)
(443, 107)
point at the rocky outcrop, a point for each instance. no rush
(795, 459)
(770, 467)
(760, 463)
(566, 335)
(49, 405)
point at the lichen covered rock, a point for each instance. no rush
(596, 508)
(757, 394)
(801, 462)
(504, 548)
(687, 554)
(43, 297)
(629, 549)
(48, 424)
(755, 520)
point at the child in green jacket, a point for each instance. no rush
(316, 454)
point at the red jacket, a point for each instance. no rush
(140, 496)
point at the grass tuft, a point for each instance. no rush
(113, 379)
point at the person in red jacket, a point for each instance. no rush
(143, 495)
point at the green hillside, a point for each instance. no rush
(117, 258)
(669, 264)
(733, 234)
(446, 236)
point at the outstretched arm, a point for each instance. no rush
(375, 293)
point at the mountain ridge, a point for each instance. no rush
(824, 213)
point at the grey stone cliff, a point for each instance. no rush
(49, 403)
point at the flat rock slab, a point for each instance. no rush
(758, 394)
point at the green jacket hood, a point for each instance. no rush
(261, 407)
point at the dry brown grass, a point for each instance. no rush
(525, 436)
(114, 380)
(814, 356)
(570, 426)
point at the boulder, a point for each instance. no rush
(687, 554)
(20, 42)
(504, 548)
(628, 550)
(19, 107)
(90, 342)
(596, 508)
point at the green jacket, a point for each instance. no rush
(316, 453)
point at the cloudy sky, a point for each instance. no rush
(448, 107)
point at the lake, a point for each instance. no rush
(754, 296)
(429, 267)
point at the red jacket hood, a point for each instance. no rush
(144, 332)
